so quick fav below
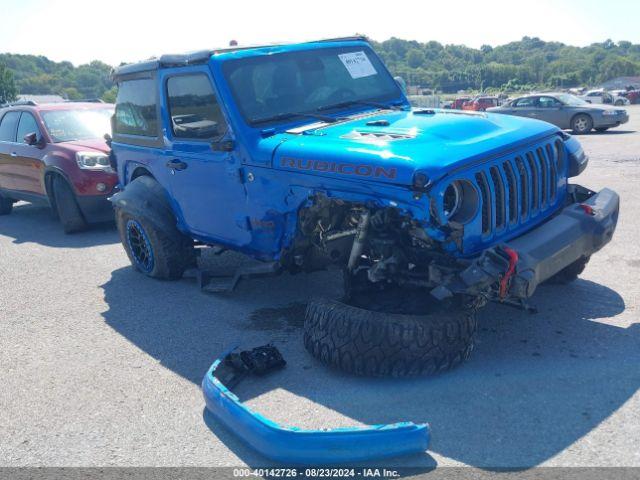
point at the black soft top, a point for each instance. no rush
(193, 58)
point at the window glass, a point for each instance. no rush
(571, 100)
(26, 126)
(549, 102)
(194, 110)
(69, 125)
(8, 126)
(272, 88)
(525, 102)
(136, 112)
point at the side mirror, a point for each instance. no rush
(32, 139)
(401, 83)
(108, 139)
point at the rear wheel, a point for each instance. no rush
(156, 252)
(619, 103)
(67, 206)
(581, 123)
(6, 205)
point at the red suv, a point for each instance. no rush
(459, 102)
(56, 155)
(480, 104)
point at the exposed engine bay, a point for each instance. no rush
(382, 249)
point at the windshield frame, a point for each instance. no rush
(394, 97)
(44, 113)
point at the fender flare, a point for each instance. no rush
(145, 198)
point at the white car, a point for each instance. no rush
(601, 96)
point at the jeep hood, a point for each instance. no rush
(391, 146)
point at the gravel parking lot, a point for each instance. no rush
(102, 366)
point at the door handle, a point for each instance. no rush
(14, 154)
(176, 164)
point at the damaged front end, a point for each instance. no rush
(294, 445)
(383, 249)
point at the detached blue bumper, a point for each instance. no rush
(297, 446)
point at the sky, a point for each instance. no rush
(117, 31)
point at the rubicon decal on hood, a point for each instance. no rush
(361, 170)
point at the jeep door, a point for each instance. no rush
(204, 178)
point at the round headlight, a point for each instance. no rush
(460, 201)
(452, 199)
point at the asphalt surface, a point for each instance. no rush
(102, 366)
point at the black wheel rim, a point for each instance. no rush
(140, 246)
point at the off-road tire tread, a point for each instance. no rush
(370, 343)
(67, 207)
(173, 252)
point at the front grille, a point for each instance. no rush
(520, 187)
(485, 193)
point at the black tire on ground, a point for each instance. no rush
(569, 273)
(365, 342)
(6, 205)
(581, 123)
(172, 253)
(67, 206)
(619, 103)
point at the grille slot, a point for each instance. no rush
(498, 188)
(559, 149)
(553, 190)
(481, 178)
(524, 187)
(512, 188)
(544, 177)
(535, 178)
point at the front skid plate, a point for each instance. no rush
(309, 447)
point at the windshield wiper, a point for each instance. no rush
(284, 116)
(348, 103)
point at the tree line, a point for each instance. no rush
(37, 75)
(523, 65)
(527, 64)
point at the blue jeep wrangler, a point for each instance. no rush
(309, 155)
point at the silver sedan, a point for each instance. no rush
(565, 111)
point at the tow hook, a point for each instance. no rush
(512, 255)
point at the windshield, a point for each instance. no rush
(69, 125)
(571, 100)
(277, 87)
